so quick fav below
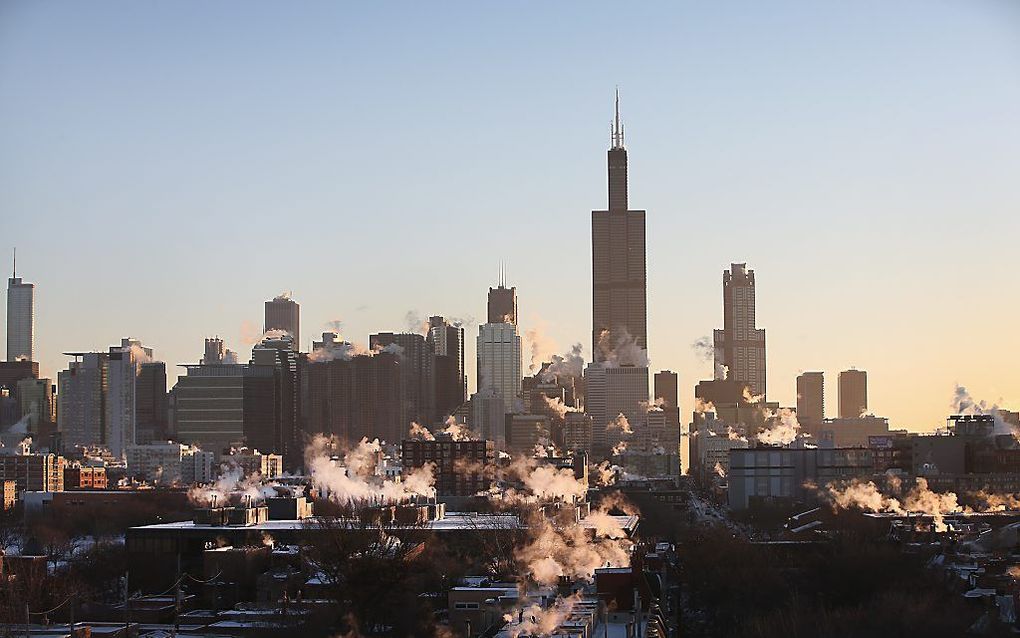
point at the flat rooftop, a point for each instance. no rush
(453, 521)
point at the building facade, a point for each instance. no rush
(462, 468)
(853, 393)
(740, 345)
(283, 313)
(449, 381)
(81, 399)
(20, 320)
(810, 398)
(499, 362)
(619, 298)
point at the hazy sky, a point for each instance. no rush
(166, 167)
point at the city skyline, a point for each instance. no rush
(893, 308)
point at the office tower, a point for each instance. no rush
(151, 404)
(283, 313)
(281, 434)
(502, 303)
(666, 395)
(577, 432)
(415, 371)
(526, 432)
(853, 393)
(810, 399)
(618, 261)
(20, 318)
(124, 366)
(740, 346)
(449, 382)
(667, 399)
(499, 362)
(11, 374)
(37, 402)
(611, 391)
(488, 415)
(81, 399)
(220, 406)
(354, 397)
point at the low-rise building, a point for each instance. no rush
(788, 475)
(39, 472)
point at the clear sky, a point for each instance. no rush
(165, 167)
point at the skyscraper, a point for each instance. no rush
(81, 399)
(281, 435)
(283, 313)
(124, 366)
(853, 393)
(502, 303)
(740, 346)
(609, 392)
(499, 348)
(415, 371)
(811, 398)
(619, 312)
(665, 389)
(151, 404)
(20, 318)
(354, 397)
(449, 383)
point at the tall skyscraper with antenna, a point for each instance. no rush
(499, 346)
(20, 317)
(502, 306)
(619, 295)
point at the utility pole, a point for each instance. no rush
(127, 602)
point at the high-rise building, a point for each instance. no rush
(81, 399)
(415, 371)
(280, 354)
(20, 318)
(577, 432)
(12, 373)
(609, 392)
(449, 382)
(499, 362)
(152, 409)
(619, 313)
(354, 397)
(740, 346)
(283, 313)
(217, 407)
(853, 393)
(667, 399)
(525, 432)
(810, 398)
(665, 392)
(502, 303)
(488, 415)
(124, 367)
(38, 404)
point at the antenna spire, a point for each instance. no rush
(14, 273)
(617, 127)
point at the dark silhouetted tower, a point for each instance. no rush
(811, 398)
(853, 393)
(283, 313)
(618, 260)
(502, 302)
(740, 346)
